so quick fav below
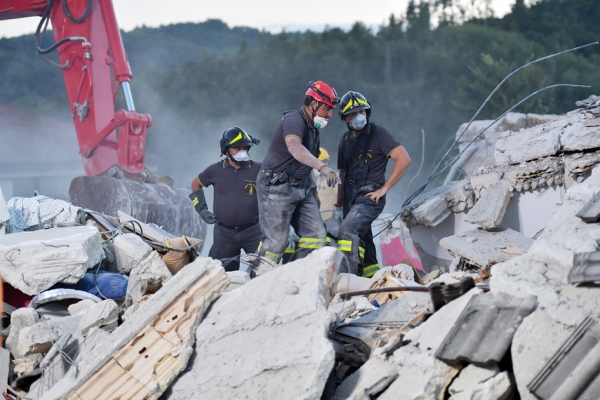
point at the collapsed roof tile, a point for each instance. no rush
(485, 329)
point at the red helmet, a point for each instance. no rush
(322, 92)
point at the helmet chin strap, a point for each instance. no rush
(314, 112)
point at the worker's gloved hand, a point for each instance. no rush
(208, 217)
(338, 214)
(331, 175)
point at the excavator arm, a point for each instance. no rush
(95, 69)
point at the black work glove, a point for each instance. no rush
(208, 217)
(331, 175)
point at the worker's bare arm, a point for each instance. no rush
(301, 153)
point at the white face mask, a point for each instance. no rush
(241, 155)
(320, 122)
(358, 122)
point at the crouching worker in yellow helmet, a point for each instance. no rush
(235, 203)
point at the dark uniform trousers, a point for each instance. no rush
(228, 242)
(291, 202)
(355, 238)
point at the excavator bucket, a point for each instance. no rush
(166, 206)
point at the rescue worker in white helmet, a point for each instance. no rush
(363, 154)
(286, 192)
(235, 202)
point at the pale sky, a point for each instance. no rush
(272, 15)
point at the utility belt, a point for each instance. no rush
(238, 228)
(277, 178)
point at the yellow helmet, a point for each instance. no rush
(323, 154)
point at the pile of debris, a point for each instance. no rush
(496, 308)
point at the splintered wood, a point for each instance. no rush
(146, 365)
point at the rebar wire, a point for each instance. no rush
(421, 165)
(431, 178)
(498, 87)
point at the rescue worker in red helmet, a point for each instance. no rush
(363, 154)
(235, 201)
(286, 191)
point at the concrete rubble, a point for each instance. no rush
(474, 300)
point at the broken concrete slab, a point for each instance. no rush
(38, 339)
(148, 277)
(20, 319)
(432, 212)
(358, 385)
(157, 337)
(237, 279)
(267, 339)
(472, 375)
(489, 210)
(534, 343)
(498, 387)
(130, 251)
(34, 261)
(484, 248)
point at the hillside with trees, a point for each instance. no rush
(428, 68)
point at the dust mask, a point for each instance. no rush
(241, 155)
(320, 122)
(358, 122)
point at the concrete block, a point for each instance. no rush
(578, 136)
(489, 210)
(81, 306)
(149, 276)
(237, 279)
(171, 315)
(20, 319)
(269, 338)
(484, 181)
(100, 315)
(472, 375)
(498, 387)
(130, 251)
(34, 261)
(432, 212)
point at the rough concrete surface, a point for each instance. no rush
(471, 375)
(34, 261)
(432, 212)
(489, 210)
(39, 338)
(267, 339)
(130, 251)
(369, 374)
(486, 247)
(498, 387)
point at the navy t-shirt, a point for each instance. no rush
(350, 152)
(278, 156)
(235, 203)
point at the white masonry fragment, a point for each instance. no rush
(489, 210)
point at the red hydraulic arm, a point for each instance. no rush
(94, 66)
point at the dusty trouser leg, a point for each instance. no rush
(307, 222)
(370, 263)
(249, 239)
(354, 226)
(276, 204)
(225, 245)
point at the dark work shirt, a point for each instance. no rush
(350, 153)
(278, 156)
(235, 203)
